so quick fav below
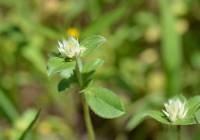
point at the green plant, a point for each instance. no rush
(69, 64)
(178, 111)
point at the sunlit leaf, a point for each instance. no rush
(59, 65)
(92, 43)
(104, 102)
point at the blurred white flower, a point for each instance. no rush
(70, 48)
(175, 109)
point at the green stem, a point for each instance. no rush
(178, 132)
(87, 117)
(88, 121)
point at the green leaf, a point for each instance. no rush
(65, 83)
(141, 116)
(197, 116)
(24, 124)
(59, 65)
(30, 117)
(105, 21)
(104, 102)
(92, 43)
(87, 78)
(34, 55)
(192, 117)
(94, 8)
(88, 70)
(7, 107)
(193, 105)
(92, 65)
(170, 46)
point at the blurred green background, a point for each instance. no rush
(152, 52)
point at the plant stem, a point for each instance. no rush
(88, 121)
(178, 132)
(87, 117)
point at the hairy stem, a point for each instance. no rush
(87, 117)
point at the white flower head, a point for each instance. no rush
(175, 109)
(70, 48)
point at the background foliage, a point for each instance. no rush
(152, 52)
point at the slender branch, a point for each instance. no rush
(87, 117)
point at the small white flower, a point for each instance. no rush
(175, 109)
(70, 48)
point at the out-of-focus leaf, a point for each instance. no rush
(92, 43)
(129, 69)
(24, 124)
(59, 65)
(120, 35)
(33, 54)
(92, 65)
(7, 2)
(93, 8)
(104, 102)
(104, 21)
(171, 46)
(47, 31)
(7, 107)
(57, 127)
(73, 8)
(30, 117)
(195, 59)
